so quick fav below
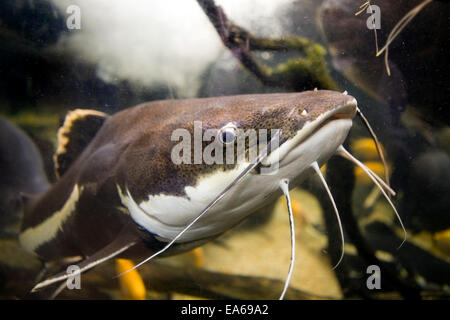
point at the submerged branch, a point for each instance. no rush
(306, 72)
(202, 283)
(167, 279)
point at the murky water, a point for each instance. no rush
(57, 56)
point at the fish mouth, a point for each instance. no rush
(336, 119)
(347, 111)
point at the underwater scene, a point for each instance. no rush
(224, 149)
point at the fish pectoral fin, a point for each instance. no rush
(125, 240)
(79, 128)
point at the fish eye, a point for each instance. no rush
(227, 134)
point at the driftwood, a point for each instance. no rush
(167, 279)
(308, 71)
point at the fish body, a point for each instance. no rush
(123, 190)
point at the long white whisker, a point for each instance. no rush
(85, 268)
(274, 141)
(344, 153)
(368, 171)
(403, 22)
(284, 185)
(379, 149)
(316, 168)
(363, 7)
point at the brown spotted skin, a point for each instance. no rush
(133, 149)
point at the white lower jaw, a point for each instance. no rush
(165, 216)
(318, 147)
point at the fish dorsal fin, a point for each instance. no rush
(79, 128)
